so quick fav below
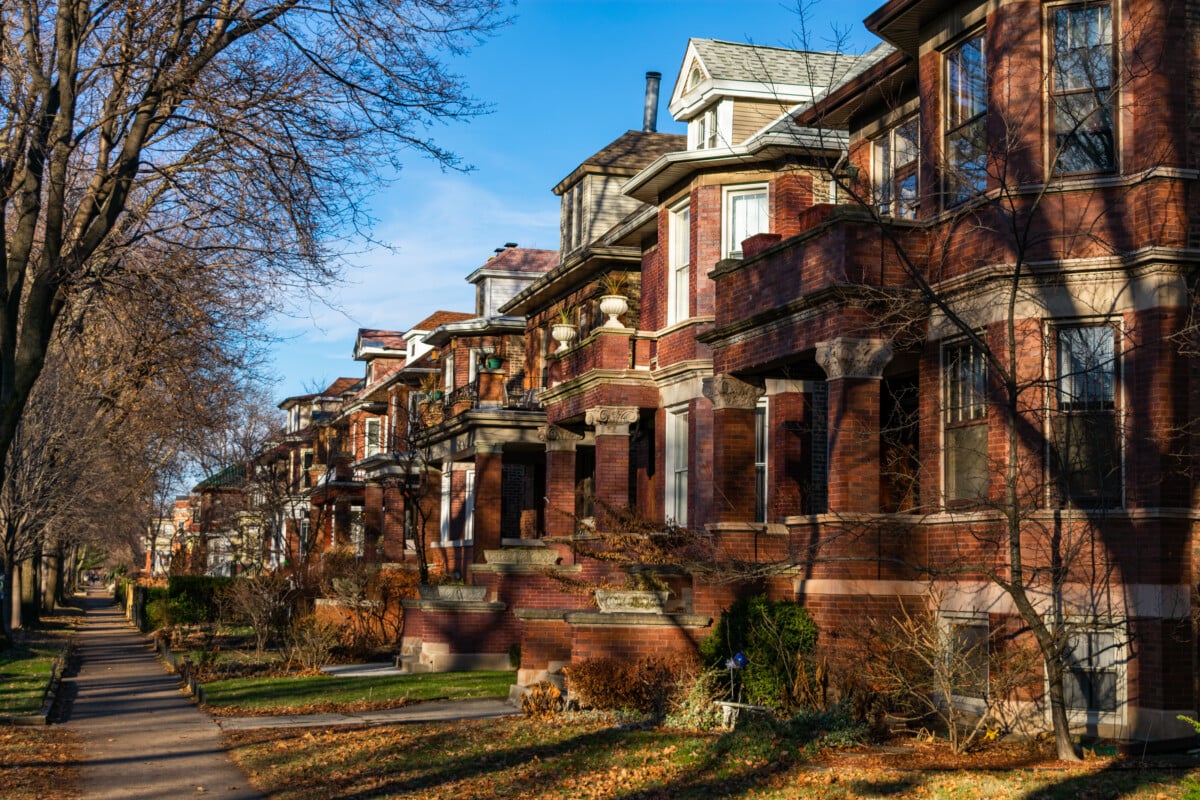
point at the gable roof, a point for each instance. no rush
(523, 260)
(730, 69)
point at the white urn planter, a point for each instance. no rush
(564, 333)
(623, 601)
(613, 305)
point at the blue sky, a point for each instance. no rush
(563, 80)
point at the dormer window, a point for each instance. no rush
(712, 127)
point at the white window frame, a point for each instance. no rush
(947, 622)
(762, 446)
(472, 365)
(962, 415)
(888, 175)
(358, 531)
(675, 502)
(469, 505)
(372, 445)
(729, 194)
(679, 269)
(964, 180)
(444, 521)
(1064, 384)
(1119, 667)
(448, 366)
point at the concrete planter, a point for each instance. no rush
(471, 594)
(631, 602)
(564, 333)
(613, 305)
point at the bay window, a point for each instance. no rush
(679, 264)
(896, 170)
(677, 466)
(1084, 442)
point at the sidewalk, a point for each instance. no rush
(142, 738)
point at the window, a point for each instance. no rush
(745, 215)
(469, 506)
(449, 368)
(358, 534)
(705, 130)
(1082, 88)
(371, 428)
(967, 654)
(1091, 679)
(1085, 451)
(680, 264)
(896, 167)
(677, 466)
(965, 423)
(760, 461)
(966, 120)
(444, 528)
(305, 532)
(472, 366)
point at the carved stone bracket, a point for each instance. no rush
(854, 358)
(611, 420)
(726, 391)
(557, 438)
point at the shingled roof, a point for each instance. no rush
(440, 318)
(522, 259)
(738, 62)
(625, 155)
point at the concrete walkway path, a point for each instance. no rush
(142, 738)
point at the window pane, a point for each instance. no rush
(967, 81)
(1086, 459)
(969, 647)
(966, 153)
(1083, 48)
(966, 462)
(747, 216)
(1086, 368)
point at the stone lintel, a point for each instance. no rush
(863, 359)
(635, 619)
(457, 606)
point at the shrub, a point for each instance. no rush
(197, 596)
(260, 601)
(645, 685)
(310, 641)
(774, 636)
(542, 700)
(1191, 784)
(692, 705)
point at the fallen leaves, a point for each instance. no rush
(38, 763)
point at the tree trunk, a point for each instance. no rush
(51, 571)
(12, 596)
(6, 611)
(29, 591)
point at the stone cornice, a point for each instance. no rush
(593, 378)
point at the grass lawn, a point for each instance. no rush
(301, 694)
(25, 672)
(588, 758)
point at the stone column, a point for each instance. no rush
(734, 402)
(560, 480)
(853, 369)
(489, 471)
(611, 424)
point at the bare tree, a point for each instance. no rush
(240, 133)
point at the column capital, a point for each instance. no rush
(726, 391)
(557, 438)
(854, 358)
(611, 420)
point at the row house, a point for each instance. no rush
(972, 368)
(886, 323)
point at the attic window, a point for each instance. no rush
(695, 77)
